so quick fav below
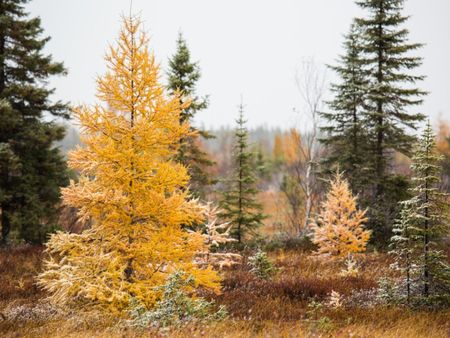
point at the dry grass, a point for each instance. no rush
(275, 308)
(18, 267)
(386, 323)
(300, 278)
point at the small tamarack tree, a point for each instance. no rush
(339, 227)
(132, 189)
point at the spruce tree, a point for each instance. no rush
(392, 84)
(183, 76)
(345, 134)
(390, 64)
(32, 169)
(426, 221)
(431, 212)
(402, 245)
(239, 204)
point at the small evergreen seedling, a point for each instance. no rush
(261, 266)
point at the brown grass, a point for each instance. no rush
(300, 279)
(18, 268)
(257, 308)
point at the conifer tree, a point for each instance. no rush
(31, 170)
(345, 135)
(339, 228)
(131, 188)
(402, 244)
(239, 204)
(183, 76)
(391, 91)
(428, 217)
(390, 69)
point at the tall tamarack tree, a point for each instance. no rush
(130, 187)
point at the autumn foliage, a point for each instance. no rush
(339, 228)
(131, 189)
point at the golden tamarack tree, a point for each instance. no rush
(339, 228)
(130, 187)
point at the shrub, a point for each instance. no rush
(303, 243)
(176, 307)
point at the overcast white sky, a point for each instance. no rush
(249, 47)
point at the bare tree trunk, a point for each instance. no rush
(308, 205)
(311, 85)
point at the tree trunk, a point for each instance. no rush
(308, 199)
(380, 132)
(2, 63)
(408, 281)
(6, 224)
(426, 273)
(129, 268)
(239, 229)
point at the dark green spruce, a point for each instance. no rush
(183, 76)
(344, 133)
(239, 203)
(392, 90)
(32, 169)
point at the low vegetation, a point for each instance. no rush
(294, 302)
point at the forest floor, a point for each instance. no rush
(291, 304)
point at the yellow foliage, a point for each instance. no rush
(442, 145)
(278, 148)
(339, 229)
(130, 188)
(292, 147)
